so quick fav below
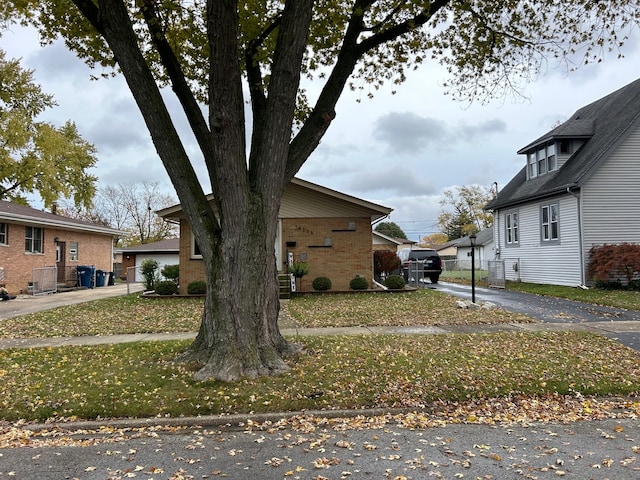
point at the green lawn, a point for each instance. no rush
(455, 375)
(335, 372)
(628, 299)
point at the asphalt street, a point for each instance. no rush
(607, 449)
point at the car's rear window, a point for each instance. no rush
(415, 255)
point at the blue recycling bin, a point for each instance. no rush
(85, 276)
(100, 276)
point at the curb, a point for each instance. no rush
(234, 422)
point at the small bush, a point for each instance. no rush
(321, 283)
(197, 288)
(166, 287)
(171, 272)
(394, 282)
(299, 269)
(612, 264)
(359, 283)
(385, 261)
(149, 270)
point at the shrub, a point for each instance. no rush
(166, 287)
(614, 263)
(385, 261)
(171, 272)
(359, 283)
(299, 269)
(149, 270)
(197, 288)
(321, 283)
(394, 282)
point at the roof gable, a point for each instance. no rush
(303, 199)
(604, 123)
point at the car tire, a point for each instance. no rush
(434, 278)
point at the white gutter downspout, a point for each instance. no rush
(579, 211)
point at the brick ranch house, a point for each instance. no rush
(329, 230)
(32, 239)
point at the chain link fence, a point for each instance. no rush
(460, 269)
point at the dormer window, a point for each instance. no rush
(542, 160)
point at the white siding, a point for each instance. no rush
(611, 198)
(555, 263)
(163, 259)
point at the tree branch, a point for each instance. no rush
(112, 21)
(179, 83)
(270, 145)
(402, 28)
(351, 51)
(254, 73)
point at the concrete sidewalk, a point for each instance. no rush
(603, 328)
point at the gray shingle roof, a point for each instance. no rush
(483, 237)
(15, 213)
(169, 245)
(605, 122)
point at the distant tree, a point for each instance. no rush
(463, 212)
(130, 207)
(390, 229)
(38, 157)
(434, 239)
(140, 201)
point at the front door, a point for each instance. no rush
(61, 263)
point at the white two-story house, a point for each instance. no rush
(579, 187)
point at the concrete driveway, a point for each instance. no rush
(25, 304)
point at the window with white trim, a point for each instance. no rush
(3, 234)
(73, 251)
(549, 228)
(511, 227)
(33, 240)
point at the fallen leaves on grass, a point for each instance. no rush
(421, 307)
(352, 372)
(109, 316)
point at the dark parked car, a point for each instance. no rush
(419, 263)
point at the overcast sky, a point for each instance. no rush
(401, 151)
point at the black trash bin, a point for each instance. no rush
(85, 276)
(100, 274)
(111, 280)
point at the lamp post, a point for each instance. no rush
(472, 239)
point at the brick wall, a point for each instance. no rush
(348, 255)
(93, 250)
(331, 249)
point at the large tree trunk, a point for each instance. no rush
(239, 335)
